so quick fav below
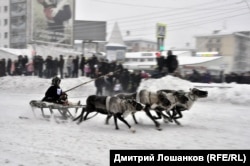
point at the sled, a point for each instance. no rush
(64, 110)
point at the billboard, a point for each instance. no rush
(52, 21)
(18, 23)
(161, 30)
(90, 30)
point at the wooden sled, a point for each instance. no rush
(64, 110)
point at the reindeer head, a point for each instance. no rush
(163, 99)
(181, 97)
(199, 93)
(135, 104)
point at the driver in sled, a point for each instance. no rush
(55, 94)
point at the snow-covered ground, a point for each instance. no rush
(220, 121)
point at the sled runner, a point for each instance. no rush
(64, 110)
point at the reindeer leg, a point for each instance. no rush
(124, 121)
(167, 118)
(152, 118)
(159, 115)
(80, 117)
(107, 119)
(86, 115)
(177, 117)
(115, 120)
(133, 115)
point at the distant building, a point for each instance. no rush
(233, 47)
(13, 23)
(139, 45)
(187, 60)
(115, 48)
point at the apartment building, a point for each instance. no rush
(234, 47)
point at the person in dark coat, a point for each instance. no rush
(82, 64)
(99, 84)
(75, 67)
(61, 65)
(55, 94)
(171, 62)
(9, 63)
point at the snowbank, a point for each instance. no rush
(233, 93)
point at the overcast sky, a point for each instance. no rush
(184, 18)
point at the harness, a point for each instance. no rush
(191, 96)
(149, 98)
(107, 103)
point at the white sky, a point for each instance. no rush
(185, 19)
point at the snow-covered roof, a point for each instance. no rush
(153, 54)
(216, 33)
(132, 38)
(116, 36)
(184, 58)
(17, 51)
(195, 60)
(182, 61)
(115, 45)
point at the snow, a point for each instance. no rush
(220, 121)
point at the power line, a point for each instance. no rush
(247, 4)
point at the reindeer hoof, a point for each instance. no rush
(177, 122)
(132, 130)
(158, 128)
(165, 120)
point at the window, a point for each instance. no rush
(6, 35)
(218, 40)
(5, 21)
(5, 8)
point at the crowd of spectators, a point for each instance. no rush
(195, 76)
(110, 77)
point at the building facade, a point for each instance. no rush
(140, 45)
(24, 22)
(4, 24)
(15, 17)
(233, 47)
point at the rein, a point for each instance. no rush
(89, 81)
(92, 116)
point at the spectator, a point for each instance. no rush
(61, 66)
(171, 62)
(82, 64)
(87, 70)
(70, 65)
(99, 83)
(48, 66)
(9, 63)
(117, 87)
(75, 67)
(195, 76)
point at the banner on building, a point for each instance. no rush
(52, 21)
(18, 25)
